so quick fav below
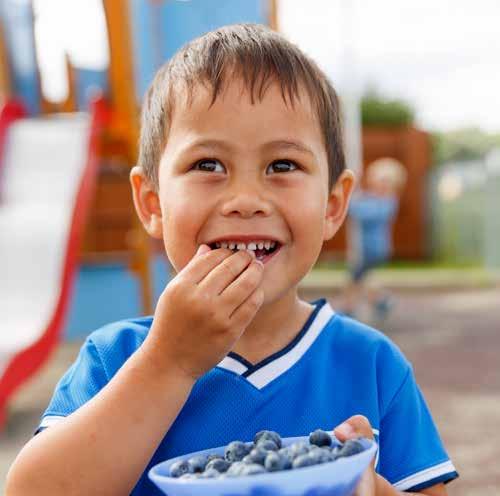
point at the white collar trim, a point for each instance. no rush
(229, 363)
(267, 373)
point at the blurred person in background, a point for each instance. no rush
(371, 213)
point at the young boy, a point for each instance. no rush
(241, 152)
(372, 212)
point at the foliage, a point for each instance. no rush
(462, 145)
(378, 111)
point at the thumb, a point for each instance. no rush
(356, 426)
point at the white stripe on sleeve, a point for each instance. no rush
(50, 420)
(425, 475)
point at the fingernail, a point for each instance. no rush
(345, 430)
(202, 249)
(252, 253)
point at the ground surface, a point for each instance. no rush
(453, 341)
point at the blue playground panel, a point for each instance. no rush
(16, 18)
(159, 29)
(106, 293)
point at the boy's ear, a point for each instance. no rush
(146, 202)
(338, 203)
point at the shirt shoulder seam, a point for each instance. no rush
(101, 362)
(398, 391)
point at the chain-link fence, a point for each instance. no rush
(465, 211)
(492, 211)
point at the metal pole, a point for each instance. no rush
(350, 88)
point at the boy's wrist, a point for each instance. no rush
(162, 368)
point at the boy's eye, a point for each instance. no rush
(282, 166)
(208, 165)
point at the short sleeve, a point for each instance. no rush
(81, 382)
(412, 455)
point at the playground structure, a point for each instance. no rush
(141, 35)
(64, 165)
(47, 184)
(412, 148)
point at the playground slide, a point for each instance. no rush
(47, 175)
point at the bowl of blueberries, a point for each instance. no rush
(314, 465)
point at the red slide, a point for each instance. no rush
(48, 172)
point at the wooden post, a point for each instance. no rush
(126, 111)
(273, 14)
(5, 77)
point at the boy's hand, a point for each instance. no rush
(354, 427)
(204, 310)
(373, 484)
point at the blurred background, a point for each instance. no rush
(418, 82)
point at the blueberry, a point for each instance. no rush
(268, 435)
(326, 455)
(320, 438)
(257, 455)
(350, 447)
(218, 464)
(236, 451)
(235, 469)
(304, 461)
(179, 468)
(267, 454)
(210, 473)
(299, 448)
(253, 469)
(214, 456)
(286, 453)
(334, 452)
(197, 464)
(267, 445)
(276, 461)
(315, 455)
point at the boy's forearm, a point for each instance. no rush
(104, 446)
(385, 488)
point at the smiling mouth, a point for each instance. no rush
(263, 251)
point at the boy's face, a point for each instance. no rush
(237, 171)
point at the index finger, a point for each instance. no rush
(201, 265)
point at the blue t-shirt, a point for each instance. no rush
(334, 368)
(372, 218)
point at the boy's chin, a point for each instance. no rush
(272, 294)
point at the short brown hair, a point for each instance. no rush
(259, 56)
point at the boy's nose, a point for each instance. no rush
(246, 204)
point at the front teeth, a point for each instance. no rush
(252, 245)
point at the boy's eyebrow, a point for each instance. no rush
(275, 144)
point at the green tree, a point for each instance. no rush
(462, 144)
(379, 111)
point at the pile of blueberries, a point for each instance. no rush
(266, 454)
